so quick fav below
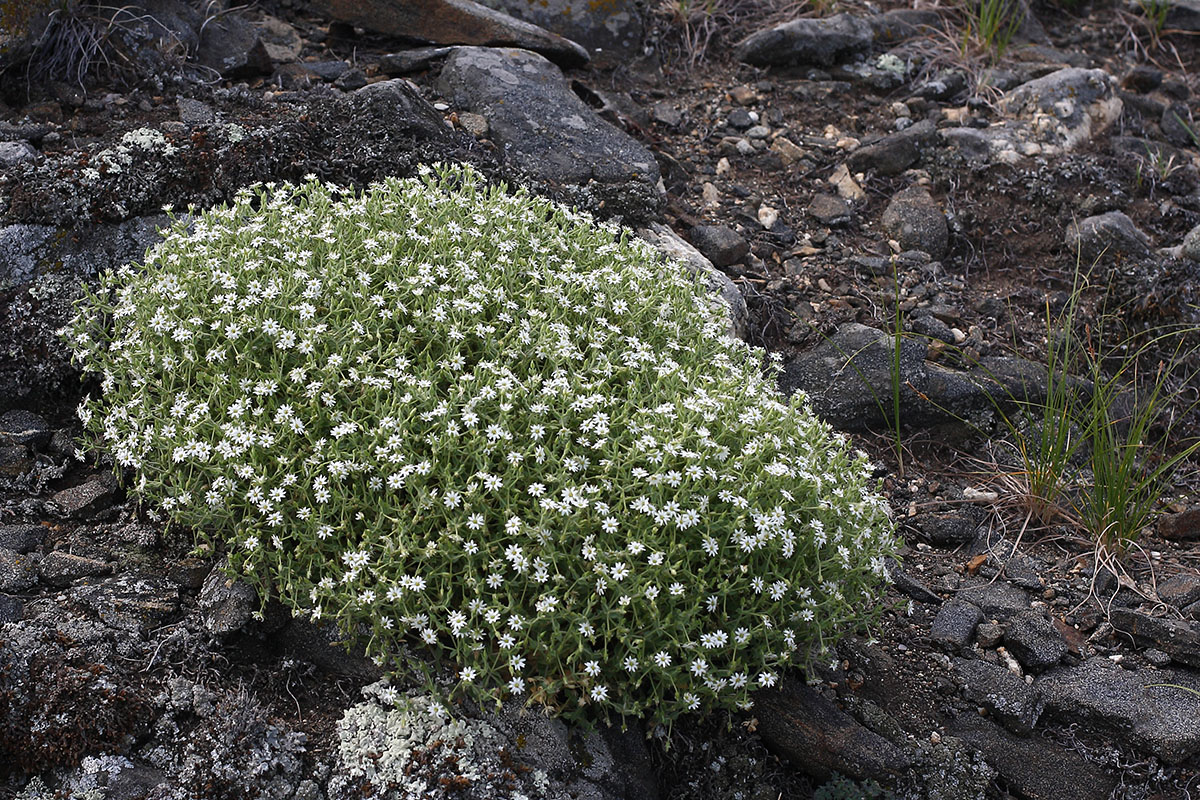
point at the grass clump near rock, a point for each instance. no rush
(446, 414)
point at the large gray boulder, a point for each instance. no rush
(820, 42)
(1110, 237)
(546, 131)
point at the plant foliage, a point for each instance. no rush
(446, 414)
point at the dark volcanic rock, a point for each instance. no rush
(949, 529)
(93, 495)
(21, 538)
(135, 603)
(1180, 590)
(612, 27)
(1183, 524)
(895, 152)
(543, 127)
(227, 604)
(848, 380)
(1001, 692)
(406, 62)
(61, 569)
(1097, 693)
(998, 600)
(1034, 641)
(1111, 236)
(819, 42)
(1037, 768)
(18, 571)
(819, 738)
(24, 428)
(452, 22)
(1179, 639)
(955, 624)
(915, 220)
(720, 244)
(233, 47)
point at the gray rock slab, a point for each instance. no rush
(955, 624)
(1180, 590)
(720, 244)
(406, 62)
(1097, 693)
(1191, 244)
(13, 153)
(1183, 15)
(60, 568)
(24, 428)
(831, 210)
(948, 529)
(442, 22)
(895, 152)
(543, 127)
(130, 602)
(233, 47)
(93, 495)
(12, 609)
(21, 538)
(848, 381)
(1004, 694)
(1036, 768)
(1034, 641)
(723, 289)
(1110, 237)
(998, 600)
(611, 28)
(816, 41)
(1178, 638)
(398, 106)
(913, 218)
(1067, 107)
(909, 586)
(800, 724)
(18, 571)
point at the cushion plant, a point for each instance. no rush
(444, 413)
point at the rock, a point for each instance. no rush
(14, 153)
(233, 47)
(895, 152)
(799, 724)
(1104, 697)
(949, 529)
(1066, 108)
(908, 585)
(543, 127)
(1142, 78)
(18, 571)
(194, 112)
(351, 80)
(24, 428)
(915, 220)
(901, 24)
(62, 569)
(1178, 126)
(988, 635)
(723, 289)
(1004, 694)
(1191, 249)
(330, 71)
(1182, 15)
(397, 105)
(442, 22)
(1034, 641)
(720, 244)
(831, 210)
(1179, 590)
(281, 41)
(406, 62)
(739, 119)
(848, 381)
(21, 538)
(998, 600)
(1180, 639)
(15, 461)
(1037, 768)
(90, 497)
(226, 603)
(955, 624)
(12, 609)
(1111, 237)
(135, 603)
(21, 248)
(613, 28)
(665, 113)
(820, 42)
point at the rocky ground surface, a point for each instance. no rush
(843, 173)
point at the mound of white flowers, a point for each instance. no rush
(453, 415)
